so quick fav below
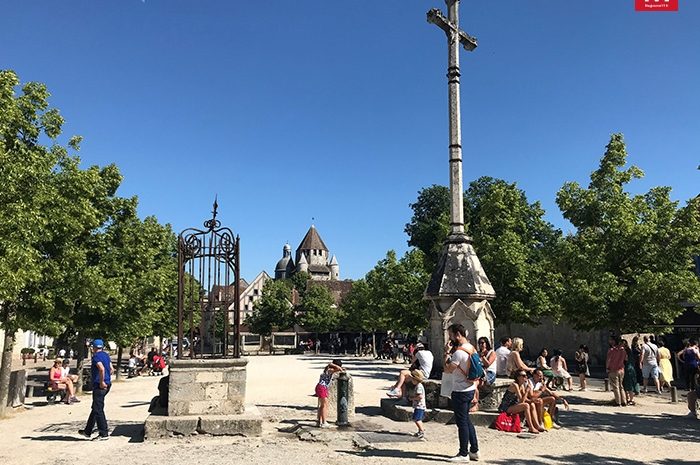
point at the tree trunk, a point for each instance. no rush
(6, 369)
(80, 355)
(119, 362)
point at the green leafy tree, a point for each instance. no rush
(299, 282)
(390, 296)
(629, 264)
(274, 310)
(430, 224)
(514, 243)
(47, 204)
(318, 311)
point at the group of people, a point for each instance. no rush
(61, 379)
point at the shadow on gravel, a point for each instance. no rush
(588, 459)
(670, 427)
(133, 431)
(307, 408)
(370, 411)
(54, 438)
(400, 454)
(135, 403)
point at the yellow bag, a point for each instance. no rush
(547, 418)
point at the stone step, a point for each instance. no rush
(393, 408)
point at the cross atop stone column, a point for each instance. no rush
(459, 290)
(455, 37)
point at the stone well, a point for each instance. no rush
(206, 396)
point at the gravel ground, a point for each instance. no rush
(653, 431)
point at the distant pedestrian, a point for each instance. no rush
(629, 380)
(637, 358)
(694, 396)
(102, 371)
(324, 381)
(615, 366)
(650, 364)
(691, 361)
(665, 367)
(582, 365)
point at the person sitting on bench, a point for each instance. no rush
(65, 370)
(58, 382)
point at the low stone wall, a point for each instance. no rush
(489, 395)
(439, 409)
(207, 387)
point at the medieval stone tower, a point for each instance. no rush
(311, 257)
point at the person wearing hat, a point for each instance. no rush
(422, 360)
(102, 371)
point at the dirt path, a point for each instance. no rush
(651, 432)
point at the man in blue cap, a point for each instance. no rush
(102, 370)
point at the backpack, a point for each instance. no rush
(476, 369)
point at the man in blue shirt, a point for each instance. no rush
(102, 370)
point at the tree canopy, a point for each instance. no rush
(74, 257)
(629, 263)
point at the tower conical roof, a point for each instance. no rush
(312, 241)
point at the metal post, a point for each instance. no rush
(674, 394)
(343, 383)
(607, 384)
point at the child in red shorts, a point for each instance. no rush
(322, 391)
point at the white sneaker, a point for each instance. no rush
(324, 425)
(556, 425)
(394, 393)
(474, 455)
(459, 458)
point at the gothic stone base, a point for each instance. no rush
(392, 408)
(244, 424)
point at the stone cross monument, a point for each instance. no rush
(459, 291)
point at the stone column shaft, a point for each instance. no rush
(455, 152)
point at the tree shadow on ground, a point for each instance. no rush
(670, 427)
(586, 458)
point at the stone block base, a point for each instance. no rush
(392, 408)
(248, 423)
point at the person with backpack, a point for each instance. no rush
(463, 362)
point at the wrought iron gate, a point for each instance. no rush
(208, 292)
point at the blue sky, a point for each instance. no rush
(293, 110)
